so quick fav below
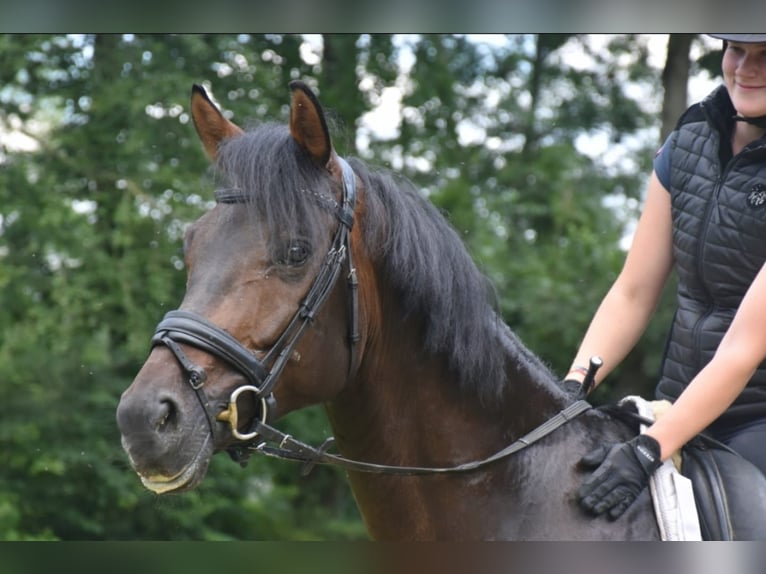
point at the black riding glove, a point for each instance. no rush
(622, 472)
(573, 388)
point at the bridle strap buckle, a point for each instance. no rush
(196, 375)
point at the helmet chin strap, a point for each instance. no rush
(760, 121)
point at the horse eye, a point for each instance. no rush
(295, 254)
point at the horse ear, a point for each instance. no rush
(209, 122)
(307, 123)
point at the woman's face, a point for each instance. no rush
(744, 72)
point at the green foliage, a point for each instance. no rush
(92, 218)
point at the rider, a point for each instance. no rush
(704, 216)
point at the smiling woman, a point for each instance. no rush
(703, 220)
(744, 73)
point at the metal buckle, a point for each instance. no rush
(231, 415)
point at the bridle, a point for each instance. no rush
(189, 328)
(262, 374)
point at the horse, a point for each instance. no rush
(317, 279)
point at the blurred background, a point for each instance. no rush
(536, 146)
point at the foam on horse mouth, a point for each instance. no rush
(186, 478)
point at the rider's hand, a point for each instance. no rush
(622, 472)
(573, 388)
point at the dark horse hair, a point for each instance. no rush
(423, 258)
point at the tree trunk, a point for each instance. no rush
(675, 80)
(339, 85)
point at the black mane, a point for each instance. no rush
(422, 256)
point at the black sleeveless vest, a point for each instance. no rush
(719, 245)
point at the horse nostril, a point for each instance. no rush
(167, 415)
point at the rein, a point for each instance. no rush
(291, 449)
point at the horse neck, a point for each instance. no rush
(407, 407)
(531, 393)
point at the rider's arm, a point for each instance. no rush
(716, 386)
(627, 308)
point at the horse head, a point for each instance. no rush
(262, 266)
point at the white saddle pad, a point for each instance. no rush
(672, 493)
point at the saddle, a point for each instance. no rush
(729, 491)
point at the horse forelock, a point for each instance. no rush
(280, 183)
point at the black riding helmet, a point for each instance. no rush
(760, 121)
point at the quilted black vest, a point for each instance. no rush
(719, 245)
